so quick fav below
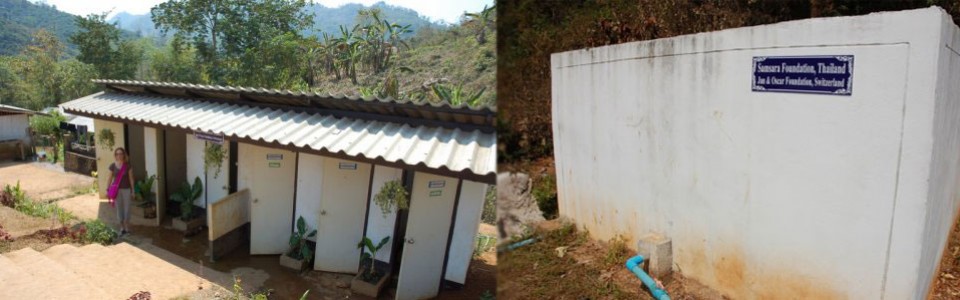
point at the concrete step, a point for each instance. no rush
(56, 281)
(178, 274)
(99, 267)
(103, 270)
(15, 283)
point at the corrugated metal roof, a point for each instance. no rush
(482, 116)
(434, 147)
(17, 110)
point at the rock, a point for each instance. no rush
(517, 209)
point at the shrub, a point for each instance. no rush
(545, 191)
(21, 203)
(99, 232)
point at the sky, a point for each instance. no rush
(438, 10)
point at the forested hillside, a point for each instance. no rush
(20, 18)
(261, 44)
(325, 19)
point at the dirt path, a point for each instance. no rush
(42, 181)
(18, 224)
(946, 283)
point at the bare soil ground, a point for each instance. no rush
(43, 181)
(587, 270)
(18, 224)
(946, 284)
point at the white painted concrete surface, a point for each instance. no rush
(104, 155)
(464, 239)
(14, 127)
(771, 195)
(378, 224)
(195, 165)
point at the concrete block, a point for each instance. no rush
(658, 251)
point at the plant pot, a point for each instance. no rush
(188, 226)
(359, 286)
(293, 263)
(150, 212)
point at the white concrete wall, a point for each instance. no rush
(14, 127)
(378, 224)
(104, 155)
(769, 195)
(943, 200)
(195, 164)
(464, 239)
(150, 153)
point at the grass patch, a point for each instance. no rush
(536, 272)
(545, 191)
(484, 243)
(489, 214)
(40, 209)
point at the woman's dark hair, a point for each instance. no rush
(121, 150)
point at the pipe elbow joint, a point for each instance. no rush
(634, 262)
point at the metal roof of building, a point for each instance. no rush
(479, 117)
(466, 152)
(10, 109)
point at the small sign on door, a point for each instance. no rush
(436, 193)
(274, 165)
(274, 156)
(348, 166)
(436, 184)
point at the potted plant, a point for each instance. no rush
(392, 194)
(144, 192)
(299, 254)
(370, 280)
(189, 219)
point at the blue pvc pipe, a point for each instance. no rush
(521, 244)
(633, 264)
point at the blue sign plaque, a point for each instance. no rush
(820, 74)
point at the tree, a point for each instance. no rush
(223, 30)
(100, 45)
(483, 19)
(175, 63)
(50, 126)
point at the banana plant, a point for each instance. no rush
(298, 242)
(371, 272)
(484, 18)
(186, 195)
(456, 95)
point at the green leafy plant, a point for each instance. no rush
(22, 203)
(392, 194)
(213, 157)
(545, 192)
(484, 244)
(144, 189)
(99, 232)
(456, 95)
(370, 274)
(13, 194)
(487, 295)
(49, 127)
(186, 195)
(298, 242)
(106, 139)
